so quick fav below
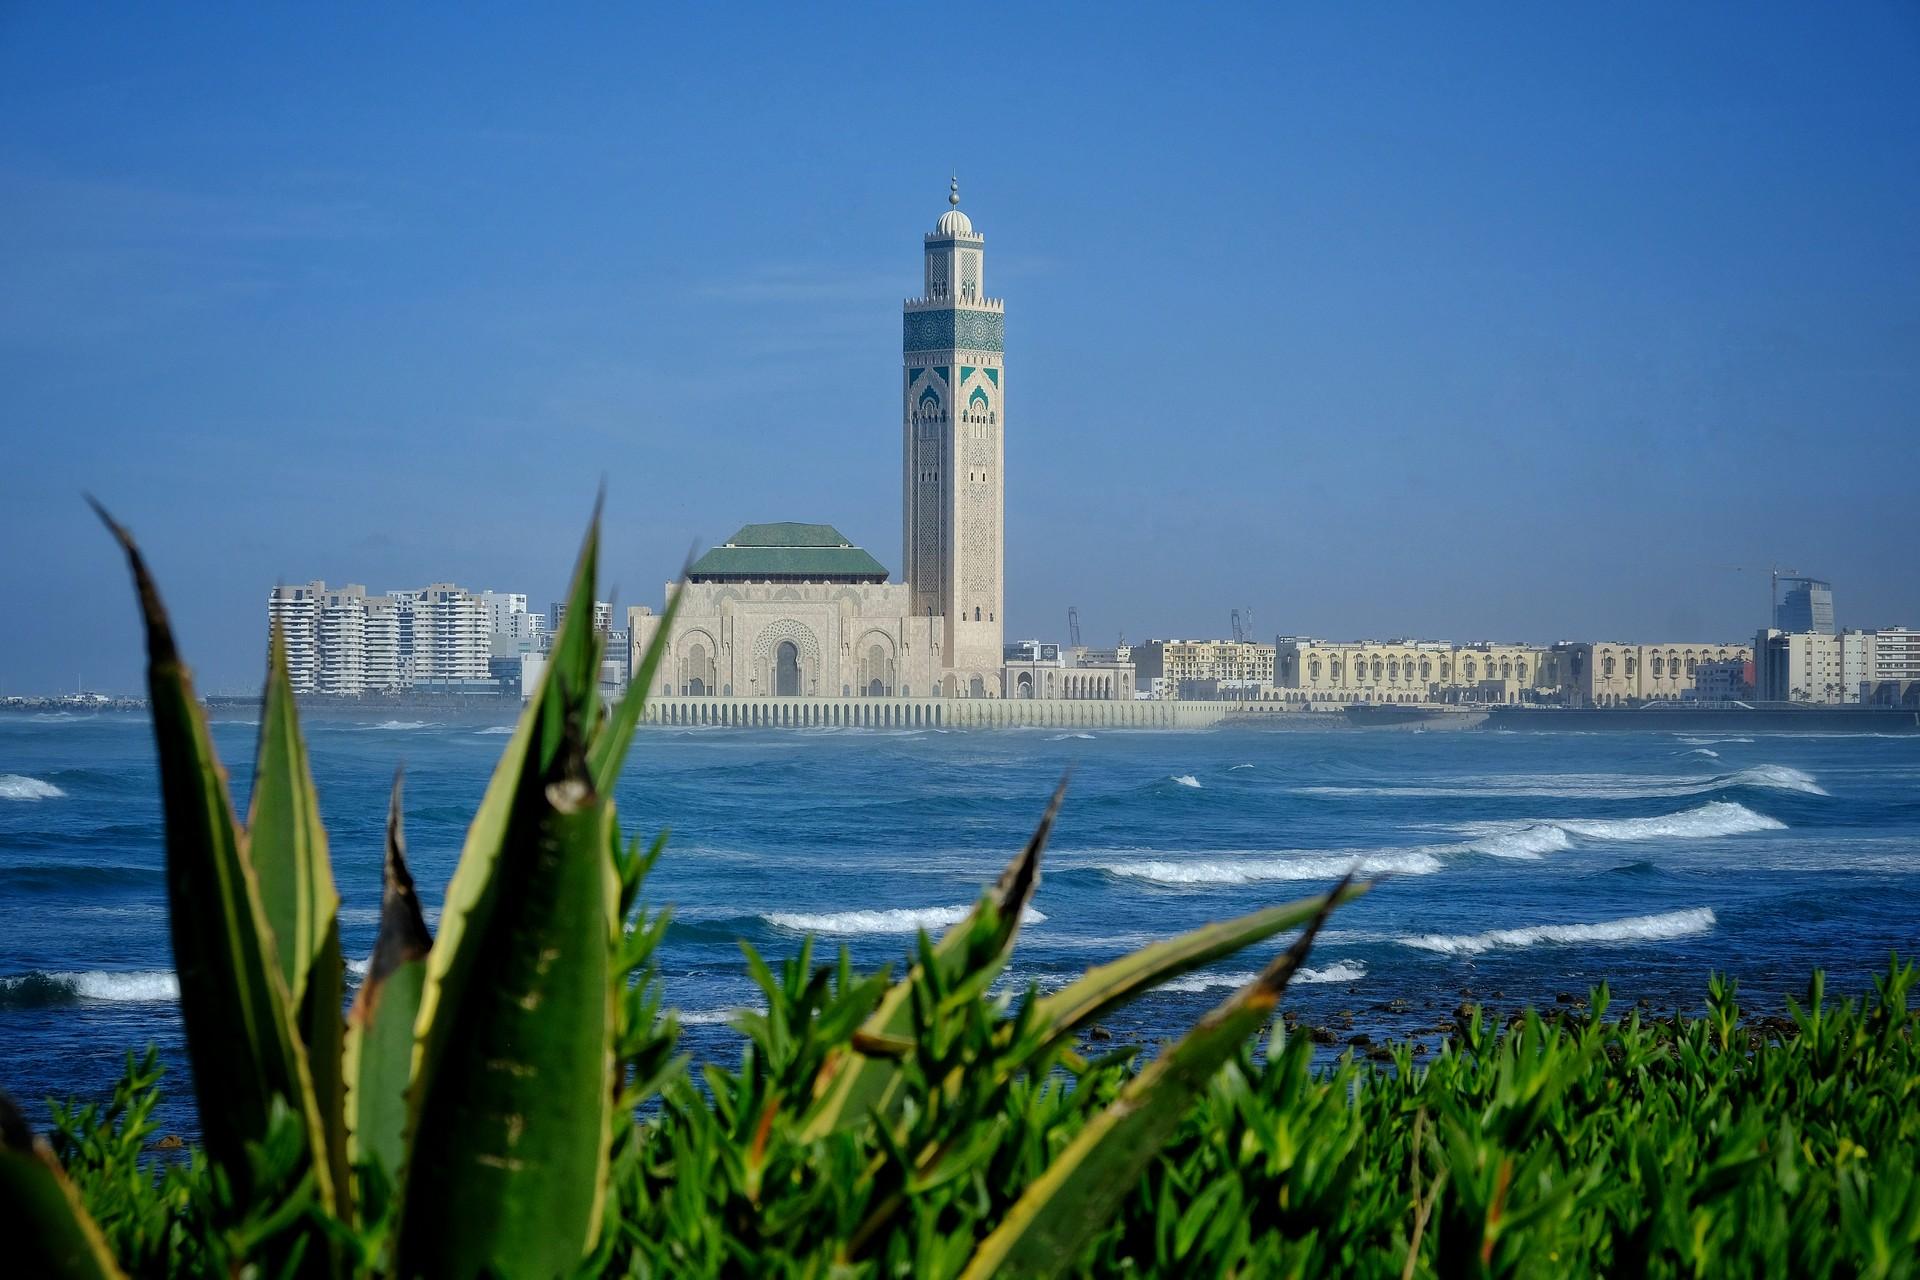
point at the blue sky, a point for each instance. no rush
(1460, 321)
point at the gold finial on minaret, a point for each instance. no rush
(953, 192)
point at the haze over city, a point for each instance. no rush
(1551, 326)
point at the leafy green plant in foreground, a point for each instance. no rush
(506, 1099)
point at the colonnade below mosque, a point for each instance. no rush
(943, 713)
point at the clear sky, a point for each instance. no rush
(1514, 322)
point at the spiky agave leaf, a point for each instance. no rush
(47, 1231)
(1046, 1228)
(1108, 986)
(609, 750)
(379, 1047)
(287, 847)
(241, 1038)
(855, 1083)
(512, 1091)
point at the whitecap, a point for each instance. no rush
(895, 920)
(14, 786)
(1708, 752)
(1713, 742)
(1063, 737)
(1622, 786)
(1185, 780)
(492, 729)
(360, 968)
(1232, 767)
(1255, 870)
(709, 1017)
(1342, 971)
(1671, 924)
(1532, 839)
(154, 985)
(399, 724)
(1529, 841)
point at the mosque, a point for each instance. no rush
(789, 610)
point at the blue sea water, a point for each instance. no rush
(1516, 866)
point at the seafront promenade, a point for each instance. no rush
(956, 713)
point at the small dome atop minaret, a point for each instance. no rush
(953, 222)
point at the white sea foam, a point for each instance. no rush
(1708, 752)
(359, 968)
(1232, 767)
(14, 786)
(1343, 971)
(399, 724)
(493, 728)
(1312, 866)
(1063, 737)
(1772, 777)
(896, 920)
(1186, 780)
(94, 984)
(1712, 742)
(1719, 818)
(1671, 924)
(1529, 841)
(709, 1017)
(1532, 839)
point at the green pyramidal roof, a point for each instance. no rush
(787, 553)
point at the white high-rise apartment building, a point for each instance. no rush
(1896, 654)
(501, 606)
(343, 642)
(381, 646)
(444, 634)
(342, 635)
(295, 611)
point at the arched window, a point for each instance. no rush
(1658, 665)
(1520, 671)
(976, 688)
(1334, 668)
(1606, 666)
(1313, 670)
(1467, 668)
(976, 613)
(1426, 669)
(1633, 665)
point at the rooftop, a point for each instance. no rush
(787, 552)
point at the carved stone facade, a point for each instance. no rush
(812, 640)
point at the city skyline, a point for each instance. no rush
(1366, 333)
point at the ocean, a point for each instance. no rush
(1515, 867)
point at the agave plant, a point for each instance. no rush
(466, 1115)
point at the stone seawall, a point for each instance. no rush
(955, 713)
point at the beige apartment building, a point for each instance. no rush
(1322, 671)
(1599, 674)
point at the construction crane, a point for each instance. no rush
(1073, 625)
(1238, 634)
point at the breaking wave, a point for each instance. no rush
(896, 920)
(399, 724)
(1255, 870)
(1708, 752)
(1344, 971)
(1063, 737)
(1671, 924)
(1770, 777)
(1185, 780)
(1717, 818)
(493, 728)
(14, 786)
(39, 989)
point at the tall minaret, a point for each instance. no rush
(954, 387)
